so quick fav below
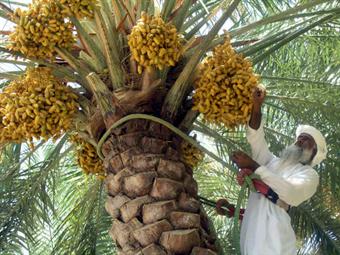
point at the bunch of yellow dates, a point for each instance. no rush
(154, 43)
(36, 106)
(79, 8)
(191, 155)
(87, 157)
(223, 89)
(44, 26)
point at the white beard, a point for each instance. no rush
(294, 154)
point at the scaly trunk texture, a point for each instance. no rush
(152, 195)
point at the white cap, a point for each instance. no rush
(319, 140)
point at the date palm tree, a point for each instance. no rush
(150, 194)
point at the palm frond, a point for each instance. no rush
(27, 192)
(317, 222)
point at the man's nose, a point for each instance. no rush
(299, 142)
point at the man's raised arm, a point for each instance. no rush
(255, 133)
(255, 118)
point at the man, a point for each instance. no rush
(290, 180)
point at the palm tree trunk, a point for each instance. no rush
(152, 195)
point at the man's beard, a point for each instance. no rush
(295, 154)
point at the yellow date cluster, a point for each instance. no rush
(154, 43)
(40, 29)
(87, 157)
(36, 106)
(223, 90)
(78, 8)
(190, 154)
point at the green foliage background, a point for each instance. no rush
(49, 207)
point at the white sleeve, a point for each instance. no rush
(258, 144)
(296, 188)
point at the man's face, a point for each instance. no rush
(307, 144)
(305, 141)
(302, 150)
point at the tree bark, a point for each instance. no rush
(152, 195)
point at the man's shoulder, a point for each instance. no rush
(307, 169)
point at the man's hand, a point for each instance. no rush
(258, 97)
(259, 185)
(241, 175)
(242, 160)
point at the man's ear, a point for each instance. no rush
(315, 150)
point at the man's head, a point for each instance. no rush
(309, 148)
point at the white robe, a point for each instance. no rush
(266, 227)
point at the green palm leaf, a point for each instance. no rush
(51, 208)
